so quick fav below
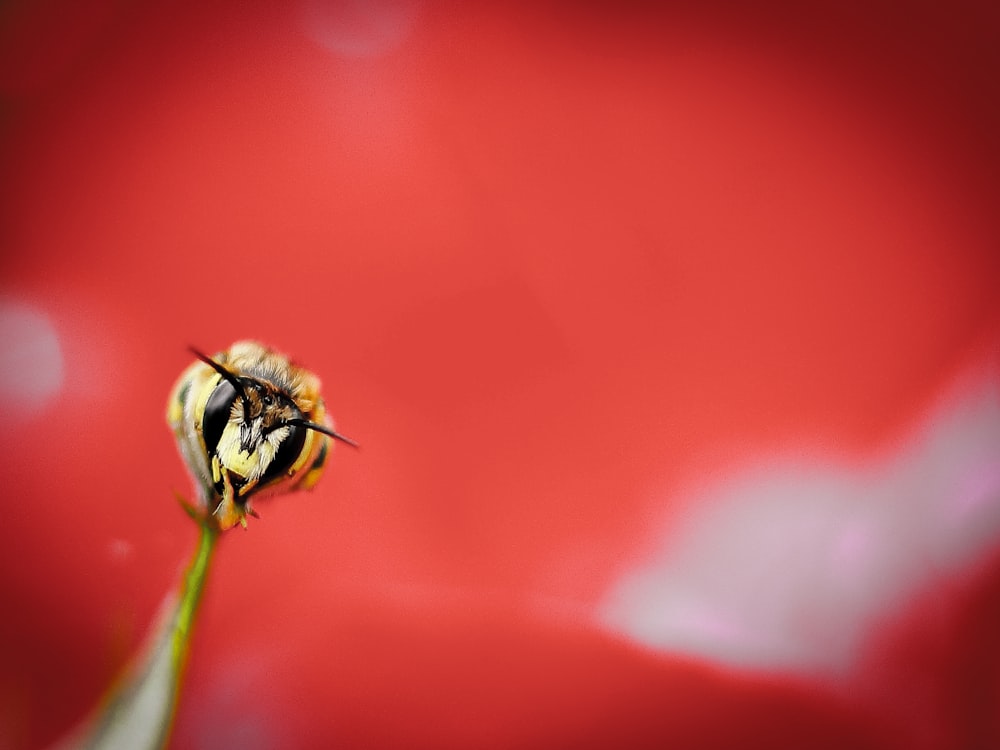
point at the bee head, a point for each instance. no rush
(262, 410)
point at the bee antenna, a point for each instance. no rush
(321, 428)
(229, 378)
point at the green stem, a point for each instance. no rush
(194, 584)
(138, 714)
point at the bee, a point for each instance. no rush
(249, 422)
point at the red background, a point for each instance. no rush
(551, 263)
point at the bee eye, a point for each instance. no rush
(268, 399)
(287, 452)
(217, 411)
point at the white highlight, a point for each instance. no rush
(121, 551)
(356, 28)
(788, 567)
(31, 359)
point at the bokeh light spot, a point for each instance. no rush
(357, 29)
(31, 359)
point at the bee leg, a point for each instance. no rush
(227, 513)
